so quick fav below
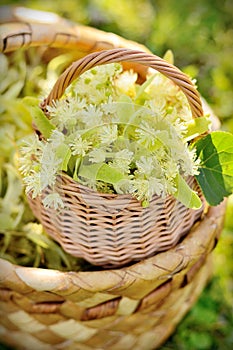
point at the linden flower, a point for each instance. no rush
(29, 153)
(64, 113)
(105, 74)
(49, 157)
(190, 163)
(140, 189)
(31, 145)
(92, 116)
(53, 200)
(80, 147)
(122, 160)
(145, 165)
(47, 176)
(97, 155)
(96, 85)
(146, 135)
(99, 96)
(157, 106)
(170, 169)
(108, 134)
(33, 184)
(156, 187)
(125, 83)
(56, 138)
(109, 107)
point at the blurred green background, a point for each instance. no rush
(200, 34)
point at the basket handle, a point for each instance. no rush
(126, 55)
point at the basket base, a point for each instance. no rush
(137, 307)
(149, 334)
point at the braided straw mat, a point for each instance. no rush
(135, 307)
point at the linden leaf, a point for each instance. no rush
(41, 121)
(6, 222)
(196, 127)
(63, 152)
(216, 171)
(101, 172)
(186, 195)
(89, 171)
(169, 57)
(125, 109)
(110, 174)
(141, 89)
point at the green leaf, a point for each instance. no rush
(42, 123)
(39, 240)
(76, 168)
(186, 195)
(63, 152)
(89, 171)
(58, 64)
(142, 88)
(216, 171)
(14, 189)
(6, 222)
(196, 127)
(125, 109)
(169, 57)
(110, 174)
(101, 172)
(14, 90)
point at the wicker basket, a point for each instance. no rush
(135, 307)
(112, 230)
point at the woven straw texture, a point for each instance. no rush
(112, 231)
(135, 307)
(129, 308)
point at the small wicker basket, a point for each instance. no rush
(135, 307)
(109, 229)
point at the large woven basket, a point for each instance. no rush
(135, 307)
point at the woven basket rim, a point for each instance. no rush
(109, 196)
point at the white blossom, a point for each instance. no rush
(125, 83)
(108, 134)
(53, 200)
(80, 147)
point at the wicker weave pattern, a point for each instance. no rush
(130, 308)
(118, 224)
